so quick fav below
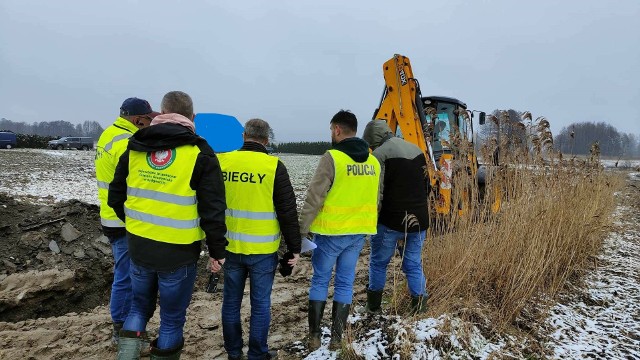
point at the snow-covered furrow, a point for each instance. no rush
(604, 320)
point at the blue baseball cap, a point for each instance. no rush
(134, 106)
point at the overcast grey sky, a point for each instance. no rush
(295, 63)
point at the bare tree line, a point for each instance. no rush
(577, 138)
(55, 129)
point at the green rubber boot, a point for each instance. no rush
(419, 304)
(129, 345)
(165, 354)
(374, 300)
(339, 315)
(316, 309)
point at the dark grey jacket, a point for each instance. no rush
(404, 182)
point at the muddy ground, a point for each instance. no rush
(54, 290)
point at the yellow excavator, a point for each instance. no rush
(442, 128)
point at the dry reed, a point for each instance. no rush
(551, 223)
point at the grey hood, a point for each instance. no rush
(376, 133)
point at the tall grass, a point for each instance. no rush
(551, 223)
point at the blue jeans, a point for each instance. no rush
(383, 246)
(120, 302)
(261, 270)
(341, 251)
(175, 289)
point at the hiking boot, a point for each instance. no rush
(165, 354)
(374, 300)
(129, 345)
(339, 315)
(316, 309)
(419, 304)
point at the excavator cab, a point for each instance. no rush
(445, 117)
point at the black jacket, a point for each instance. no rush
(284, 201)
(405, 186)
(206, 180)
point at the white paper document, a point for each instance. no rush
(308, 245)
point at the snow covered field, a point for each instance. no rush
(46, 176)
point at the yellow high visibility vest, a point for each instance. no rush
(351, 206)
(252, 227)
(111, 145)
(160, 203)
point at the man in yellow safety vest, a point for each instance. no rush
(169, 192)
(261, 208)
(340, 208)
(134, 114)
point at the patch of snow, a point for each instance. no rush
(603, 321)
(620, 163)
(427, 339)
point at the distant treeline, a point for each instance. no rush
(54, 129)
(303, 147)
(578, 138)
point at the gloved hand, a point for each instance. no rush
(285, 268)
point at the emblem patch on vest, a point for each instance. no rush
(162, 159)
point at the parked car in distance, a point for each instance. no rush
(8, 140)
(72, 142)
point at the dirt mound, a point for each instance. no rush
(53, 259)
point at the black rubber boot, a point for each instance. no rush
(165, 354)
(130, 344)
(419, 304)
(374, 300)
(316, 309)
(339, 315)
(116, 333)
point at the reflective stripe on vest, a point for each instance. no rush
(351, 206)
(161, 221)
(160, 203)
(160, 196)
(254, 215)
(103, 185)
(111, 223)
(111, 145)
(252, 226)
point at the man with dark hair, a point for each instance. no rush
(168, 190)
(403, 214)
(134, 114)
(261, 209)
(340, 209)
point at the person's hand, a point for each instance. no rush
(307, 235)
(216, 264)
(294, 261)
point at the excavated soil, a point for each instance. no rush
(53, 259)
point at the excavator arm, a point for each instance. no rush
(401, 107)
(400, 104)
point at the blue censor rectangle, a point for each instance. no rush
(222, 132)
